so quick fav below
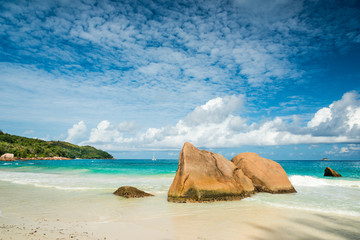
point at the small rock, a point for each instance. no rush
(131, 192)
(331, 173)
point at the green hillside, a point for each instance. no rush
(23, 147)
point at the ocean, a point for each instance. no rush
(314, 191)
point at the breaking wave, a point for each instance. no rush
(308, 181)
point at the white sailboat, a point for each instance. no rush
(154, 159)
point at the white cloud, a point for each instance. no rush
(354, 147)
(159, 69)
(348, 150)
(107, 133)
(104, 133)
(262, 63)
(344, 150)
(313, 146)
(77, 132)
(353, 117)
(202, 126)
(341, 118)
(321, 116)
(214, 111)
(215, 125)
(333, 150)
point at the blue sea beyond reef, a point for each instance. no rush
(314, 191)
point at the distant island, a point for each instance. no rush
(30, 149)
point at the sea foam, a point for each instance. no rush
(308, 181)
(316, 209)
(77, 182)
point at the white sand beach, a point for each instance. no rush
(29, 212)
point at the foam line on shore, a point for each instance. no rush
(340, 212)
(85, 182)
(308, 181)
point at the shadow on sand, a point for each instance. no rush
(319, 227)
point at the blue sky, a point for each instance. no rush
(281, 78)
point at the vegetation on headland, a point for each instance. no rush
(23, 147)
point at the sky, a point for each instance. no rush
(280, 78)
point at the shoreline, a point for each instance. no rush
(44, 158)
(37, 158)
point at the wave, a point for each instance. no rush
(314, 209)
(66, 188)
(45, 180)
(76, 182)
(308, 181)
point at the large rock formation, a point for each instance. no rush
(131, 192)
(331, 173)
(266, 175)
(206, 176)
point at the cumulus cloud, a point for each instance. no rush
(341, 118)
(217, 123)
(106, 133)
(321, 116)
(203, 125)
(214, 111)
(77, 132)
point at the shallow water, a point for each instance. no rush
(99, 177)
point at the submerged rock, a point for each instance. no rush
(206, 176)
(131, 192)
(266, 175)
(331, 173)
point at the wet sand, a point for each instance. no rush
(39, 213)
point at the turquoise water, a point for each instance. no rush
(348, 169)
(143, 167)
(314, 191)
(96, 166)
